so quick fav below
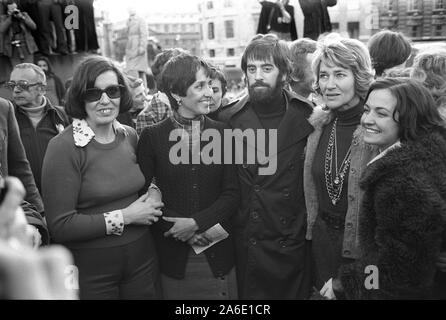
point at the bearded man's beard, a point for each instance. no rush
(261, 92)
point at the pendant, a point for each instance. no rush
(334, 202)
(336, 181)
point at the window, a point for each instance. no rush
(389, 5)
(227, 3)
(210, 5)
(414, 31)
(440, 4)
(353, 29)
(229, 27)
(183, 28)
(230, 52)
(166, 28)
(413, 5)
(438, 30)
(211, 34)
(212, 53)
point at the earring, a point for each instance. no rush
(179, 102)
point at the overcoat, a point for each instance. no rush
(271, 250)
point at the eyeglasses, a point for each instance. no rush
(22, 84)
(95, 94)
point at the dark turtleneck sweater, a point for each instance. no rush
(271, 112)
(347, 123)
(208, 193)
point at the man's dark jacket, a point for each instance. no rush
(272, 254)
(13, 162)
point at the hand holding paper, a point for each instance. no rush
(214, 234)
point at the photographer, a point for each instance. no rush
(16, 26)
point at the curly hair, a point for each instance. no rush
(430, 68)
(299, 50)
(348, 54)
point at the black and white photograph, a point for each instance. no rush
(222, 155)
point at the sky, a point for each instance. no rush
(118, 9)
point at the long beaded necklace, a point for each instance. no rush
(334, 180)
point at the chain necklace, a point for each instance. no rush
(334, 179)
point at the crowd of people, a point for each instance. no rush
(30, 28)
(358, 139)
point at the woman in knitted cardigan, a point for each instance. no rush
(197, 196)
(343, 73)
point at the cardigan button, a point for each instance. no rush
(349, 225)
(254, 215)
(347, 252)
(351, 198)
(256, 188)
(253, 241)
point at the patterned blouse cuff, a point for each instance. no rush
(114, 222)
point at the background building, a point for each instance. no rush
(353, 19)
(227, 26)
(420, 20)
(176, 30)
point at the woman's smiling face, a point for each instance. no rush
(381, 129)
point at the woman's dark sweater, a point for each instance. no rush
(208, 193)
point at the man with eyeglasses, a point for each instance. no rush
(13, 162)
(38, 120)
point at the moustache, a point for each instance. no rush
(259, 84)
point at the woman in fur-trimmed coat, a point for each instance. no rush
(403, 215)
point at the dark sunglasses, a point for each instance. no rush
(95, 94)
(22, 84)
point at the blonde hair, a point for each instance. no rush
(349, 54)
(430, 68)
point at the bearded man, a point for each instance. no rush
(272, 253)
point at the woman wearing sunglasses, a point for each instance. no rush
(197, 196)
(90, 184)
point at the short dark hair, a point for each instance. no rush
(415, 110)
(216, 73)
(268, 46)
(299, 50)
(388, 49)
(161, 59)
(85, 77)
(179, 74)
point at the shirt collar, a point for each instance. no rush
(385, 151)
(83, 134)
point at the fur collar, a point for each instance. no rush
(427, 155)
(320, 117)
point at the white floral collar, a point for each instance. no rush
(83, 134)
